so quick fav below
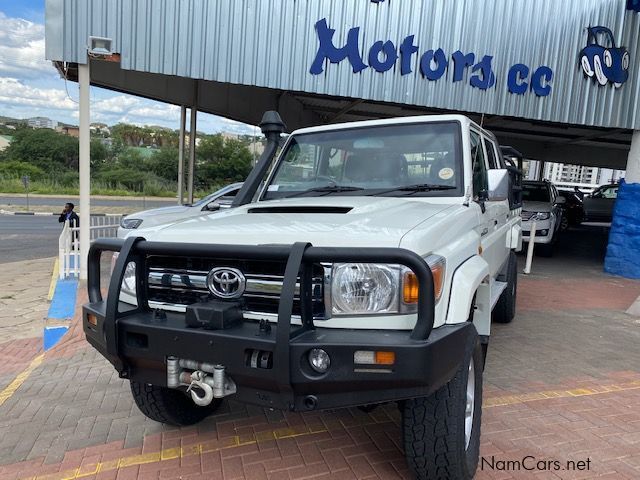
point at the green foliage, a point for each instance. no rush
(164, 163)
(222, 160)
(121, 165)
(44, 148)
(16, 170)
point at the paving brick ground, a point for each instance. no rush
(23, 298)
(562, 384)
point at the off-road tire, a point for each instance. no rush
(169, 406)
(505, 309)
(433, 427)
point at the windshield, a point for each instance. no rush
(372, 161)
(535, 193)
(230, 193)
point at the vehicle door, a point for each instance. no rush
(494, 215)
(599, 205)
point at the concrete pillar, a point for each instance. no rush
(623, 250)
(183, 127)
(84, 166)
(192, 153)
(633, 162)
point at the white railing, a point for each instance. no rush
(69, 242)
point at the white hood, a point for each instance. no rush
(536, 206)
(371, 221)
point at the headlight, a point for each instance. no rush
(129, 280)
(130, 223)
(372, 288)
(360, 288)
(543, 216)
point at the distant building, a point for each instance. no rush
(70, 130)
(42, 122)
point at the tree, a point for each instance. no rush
(164, 163)
(222, 161)
(44, 148)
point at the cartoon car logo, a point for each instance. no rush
(604, 63)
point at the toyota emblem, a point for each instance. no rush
(225, 282)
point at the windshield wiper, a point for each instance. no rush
(421, 187)
(328, 189)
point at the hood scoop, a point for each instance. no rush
(301, 209)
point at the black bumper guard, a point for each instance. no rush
(299, 259)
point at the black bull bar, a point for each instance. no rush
(298, 258)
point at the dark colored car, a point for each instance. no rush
(573, 209)
(605, 64)
(598, 207)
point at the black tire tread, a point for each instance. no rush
(169, 406)
(505, 309)
(431, 430)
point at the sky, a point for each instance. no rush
(30, 86)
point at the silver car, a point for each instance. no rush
(215, 201)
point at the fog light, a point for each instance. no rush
(544, 233)
(92, 319)
(319, 360)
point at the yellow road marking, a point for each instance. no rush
(578, 392)
(19, 380)
(179, 452)
(281, 433)
(54, 279)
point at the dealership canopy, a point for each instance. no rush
(550, 78)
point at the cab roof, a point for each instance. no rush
(464, 121)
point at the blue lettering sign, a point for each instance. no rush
(439, 58)
(328, 51)
(390, 53)
(407, 49)
(488, 79)
(540, 81)
(460, 64)
(383, 55)
(516, 81)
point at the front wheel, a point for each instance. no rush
(168, 405)
(442, 431)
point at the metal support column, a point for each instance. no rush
(183, 127)
(192, 153)
(84, 166)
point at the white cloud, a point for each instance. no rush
(22, 49)
(30, 86)
(16, 92)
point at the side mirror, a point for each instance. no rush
(561, 201)
(498, 181)
(212, 207)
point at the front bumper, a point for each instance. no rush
(544, 231)
(138, 340)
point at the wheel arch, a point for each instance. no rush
(471, 278)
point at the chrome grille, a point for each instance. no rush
(169, 284)
(526, 216)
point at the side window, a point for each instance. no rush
(611, 192)
(491, 154)
(478, 161)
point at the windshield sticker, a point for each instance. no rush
(446, 173)
(273, 188)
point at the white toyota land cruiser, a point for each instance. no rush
(362, 265)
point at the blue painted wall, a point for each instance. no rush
(623, 251)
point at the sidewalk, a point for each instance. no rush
(23, 298)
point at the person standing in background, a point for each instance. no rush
(69, 214)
